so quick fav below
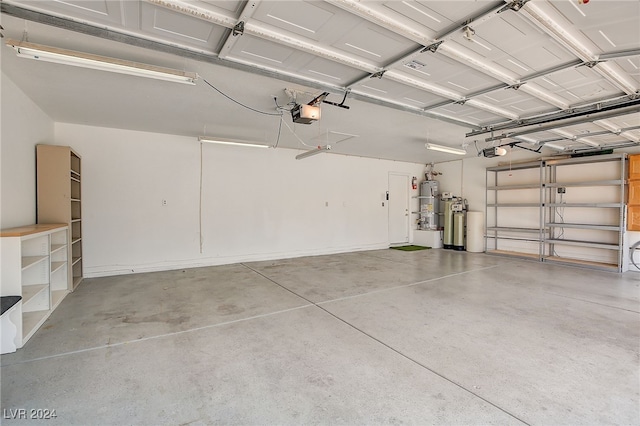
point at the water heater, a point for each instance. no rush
(429, 205)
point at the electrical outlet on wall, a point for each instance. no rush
(562, 190)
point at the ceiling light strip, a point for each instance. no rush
(218, 141)
(103, 63)
(446, 149)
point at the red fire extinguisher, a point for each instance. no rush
(414, 183)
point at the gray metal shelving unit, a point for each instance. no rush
(607, 237)
(548, 232)
(496, 234)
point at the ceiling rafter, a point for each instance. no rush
(624, 132)
(557, 123)
(232, 37)
(267, 33)
(239, 21)
(298, 43)
(614, 107)
(543, 16)
(455, 51)
(566, 136)
(108, 34)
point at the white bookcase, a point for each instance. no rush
(59, 197)
(35, 266)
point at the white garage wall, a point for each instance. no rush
(256, 204)
(23, 126)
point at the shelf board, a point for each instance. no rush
(57, 296)
(591, 244)
(609, 205)
(76, 220)
(76, 260)
(493, 237)
(22, 231)
(31, 321)
(74, 173)
(75, 179)
(513, 229)
(586, 183)
(584, 226)
(31, 291)
(514, 254)
(581, 262)
(75, 240)
(537, 205)
(28, 261)
(76, 281)
(508, 187)
(75, 200)
(56, 247)
(57, 265)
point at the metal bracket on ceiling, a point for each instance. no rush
(461, 101)
(318, 99)
(341, 104)
(378, 74)
(516, 86)
(432, 47)
(238, 29)
(515, 5)
(591, 64)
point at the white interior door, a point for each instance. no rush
(398, 208)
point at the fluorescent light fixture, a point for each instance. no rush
(313, 152)
(446, 149)
(97, 62)
(230, 142)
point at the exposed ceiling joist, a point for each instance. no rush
(72, 25)
(454, 51)
(614, 107)
(232, 37)
(621, 54)
(546, 18)
(624, 132)
(584, 117)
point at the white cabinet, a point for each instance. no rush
(35, 266)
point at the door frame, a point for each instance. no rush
(407, 207)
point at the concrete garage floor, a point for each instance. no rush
(426, 337)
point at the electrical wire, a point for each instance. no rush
(282, 108)
(632, 250)
(279, 130)
(559, 211)
(240, 103)
(297, 137)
